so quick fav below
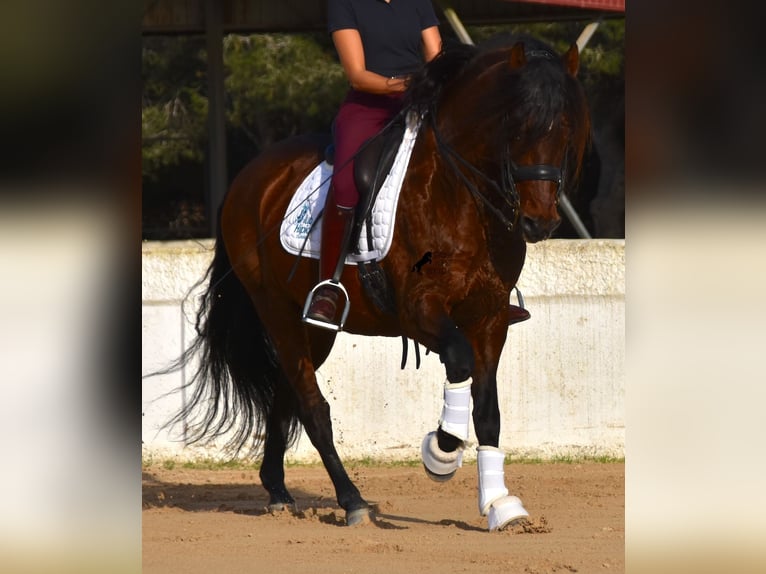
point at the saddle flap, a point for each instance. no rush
(371, 167)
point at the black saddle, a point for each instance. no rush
(371, 167)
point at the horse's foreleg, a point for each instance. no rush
(442, 450)
(455, 352)
(457, 355)
(494, 502)
(500, 509)
(435, 328)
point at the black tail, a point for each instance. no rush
(233, 388)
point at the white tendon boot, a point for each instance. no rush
(494, 502)
(456, 413)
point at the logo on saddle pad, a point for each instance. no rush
(304, 221)
(300, 229)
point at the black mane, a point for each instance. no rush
(525, 102)
(426, 86)
(540, 94)
(535, 97)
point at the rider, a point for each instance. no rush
(379, 43)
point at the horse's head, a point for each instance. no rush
(547, 129)
(518, 116)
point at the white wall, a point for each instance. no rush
(561, 378)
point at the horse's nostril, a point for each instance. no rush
(529, 226)
(536, 229)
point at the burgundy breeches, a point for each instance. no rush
(360, 117)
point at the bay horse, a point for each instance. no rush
(503, 134)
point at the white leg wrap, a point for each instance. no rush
(436, 460)
(456, 413)
(491, 477)
(493, 495)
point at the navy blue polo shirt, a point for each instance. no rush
(390, 31)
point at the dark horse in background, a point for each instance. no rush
(503, 135)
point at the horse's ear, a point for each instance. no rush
(572, 60)
(518, 58)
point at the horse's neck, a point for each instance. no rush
(450, 208)
(466, 128)
(506, 247)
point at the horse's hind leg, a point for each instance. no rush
(277, 434)
(315, 415)
(297, 360)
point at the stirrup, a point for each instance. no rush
(520, 298)
(517, 314)
(324, 324)
(520, 310)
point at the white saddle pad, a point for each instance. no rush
(299, 239)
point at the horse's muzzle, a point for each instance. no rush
(535, 230)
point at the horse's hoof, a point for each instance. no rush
(438, 477)
(505, 512)
(275, 507)
(358, 516)
(439, 465)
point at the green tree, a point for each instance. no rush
(174, 103)
(279, 85)
(276, 85)
(602, 60)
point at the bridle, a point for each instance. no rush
(511, 174)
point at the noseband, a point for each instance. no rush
(513, 173)
(535, 172)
